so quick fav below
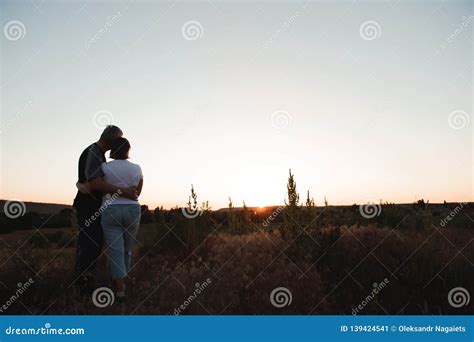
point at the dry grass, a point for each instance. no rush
(328, 271)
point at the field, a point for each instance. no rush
(281, 260)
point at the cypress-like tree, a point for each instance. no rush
(293, 196)
(291, 211)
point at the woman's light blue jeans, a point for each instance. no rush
(120, 224)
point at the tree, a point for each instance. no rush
(205, 206)
(310, 205)
(146, 216)
(310, 201)
(293, 196)
(291, 220)
(245, 213)
(192, 205)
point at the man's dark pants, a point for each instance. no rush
(90, 240)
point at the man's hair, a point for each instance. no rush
(110, 133)
(120, 148)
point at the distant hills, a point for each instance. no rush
(40, 208)
(54, 208)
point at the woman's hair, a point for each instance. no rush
(120, 148)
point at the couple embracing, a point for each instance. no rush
(107, 210)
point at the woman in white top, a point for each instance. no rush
(120, 216)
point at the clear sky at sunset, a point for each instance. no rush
(229, 95)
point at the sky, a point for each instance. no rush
(364, 101)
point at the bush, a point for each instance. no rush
(38, 240)
(243, 271)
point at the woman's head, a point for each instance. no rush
(120, 148)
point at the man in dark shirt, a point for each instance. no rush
(87, 206)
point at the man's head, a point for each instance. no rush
(109, 134)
